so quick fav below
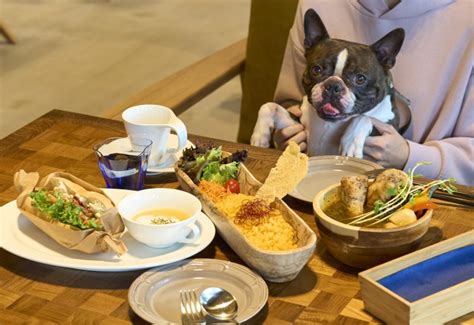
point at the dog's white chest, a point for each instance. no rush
(323, 137)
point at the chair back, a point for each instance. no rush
(270, 23)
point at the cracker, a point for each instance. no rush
(290, 169)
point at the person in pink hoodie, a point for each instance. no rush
(434, 70)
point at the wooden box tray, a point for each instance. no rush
(430, 286)
(274, 266)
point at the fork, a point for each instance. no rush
(191, 309)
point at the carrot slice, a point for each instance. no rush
(425, 206)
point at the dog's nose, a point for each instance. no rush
(333, 87)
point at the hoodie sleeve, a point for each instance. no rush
(450, 149)
(289, 89)
(453, 156)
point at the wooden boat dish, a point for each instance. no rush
(363, 247)
(274, 266)
(430, 286)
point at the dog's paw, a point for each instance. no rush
(264, 125)
(352, 147)
(260, 139)
(353, 140)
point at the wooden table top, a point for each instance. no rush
(324, 291)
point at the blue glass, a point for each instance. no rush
(433, 275)
(123, 162)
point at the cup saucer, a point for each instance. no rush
(167, 166)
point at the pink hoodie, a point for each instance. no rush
(434, 70)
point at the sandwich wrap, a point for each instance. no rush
(101, 234)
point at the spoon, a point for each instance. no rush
(219, 303)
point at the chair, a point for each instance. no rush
(7, 34)
(257, 59)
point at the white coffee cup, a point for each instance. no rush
(161, 235)
(155, 122)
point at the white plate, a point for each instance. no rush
(324, 171)
(22, 238)
(154, 295)
(167, 166)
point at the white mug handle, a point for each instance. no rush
(195, 234)
(180, 129)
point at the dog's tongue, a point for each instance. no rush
(330, 110)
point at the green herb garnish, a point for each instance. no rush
(408, 192)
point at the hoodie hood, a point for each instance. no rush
(404, 9)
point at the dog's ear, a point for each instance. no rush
(387, 48)
(314, 30)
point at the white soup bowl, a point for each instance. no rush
(161, 235)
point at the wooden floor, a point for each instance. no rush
(87, 55)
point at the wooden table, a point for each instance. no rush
(324, 291)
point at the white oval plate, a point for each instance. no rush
(154, 295)
(324, 171)
(21, 237)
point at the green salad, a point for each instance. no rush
(207, 162)
(66, 209)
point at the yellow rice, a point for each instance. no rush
(274, 233)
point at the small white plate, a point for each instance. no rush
(154, 295)
(22, 238)
(324, 171)
(167, 166)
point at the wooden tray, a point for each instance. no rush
(274, 266)
(416, 304)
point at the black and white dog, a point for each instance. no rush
(345, 83)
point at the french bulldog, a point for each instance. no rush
(346, 84)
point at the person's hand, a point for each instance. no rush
(291, 133)
(389, 149)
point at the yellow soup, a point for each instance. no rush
(161, 216)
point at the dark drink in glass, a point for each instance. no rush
(123, 162)
(122, 171)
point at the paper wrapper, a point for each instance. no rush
(87, 241)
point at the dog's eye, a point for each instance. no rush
(360, 79)
(316, 70)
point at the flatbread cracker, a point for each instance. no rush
(290, 169)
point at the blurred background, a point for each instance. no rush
(88, 55)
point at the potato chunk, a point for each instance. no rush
(403, 217)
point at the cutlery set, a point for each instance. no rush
(214, 305)
(191, 310)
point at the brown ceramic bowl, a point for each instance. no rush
(363, 247)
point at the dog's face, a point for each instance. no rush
(344, 78)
